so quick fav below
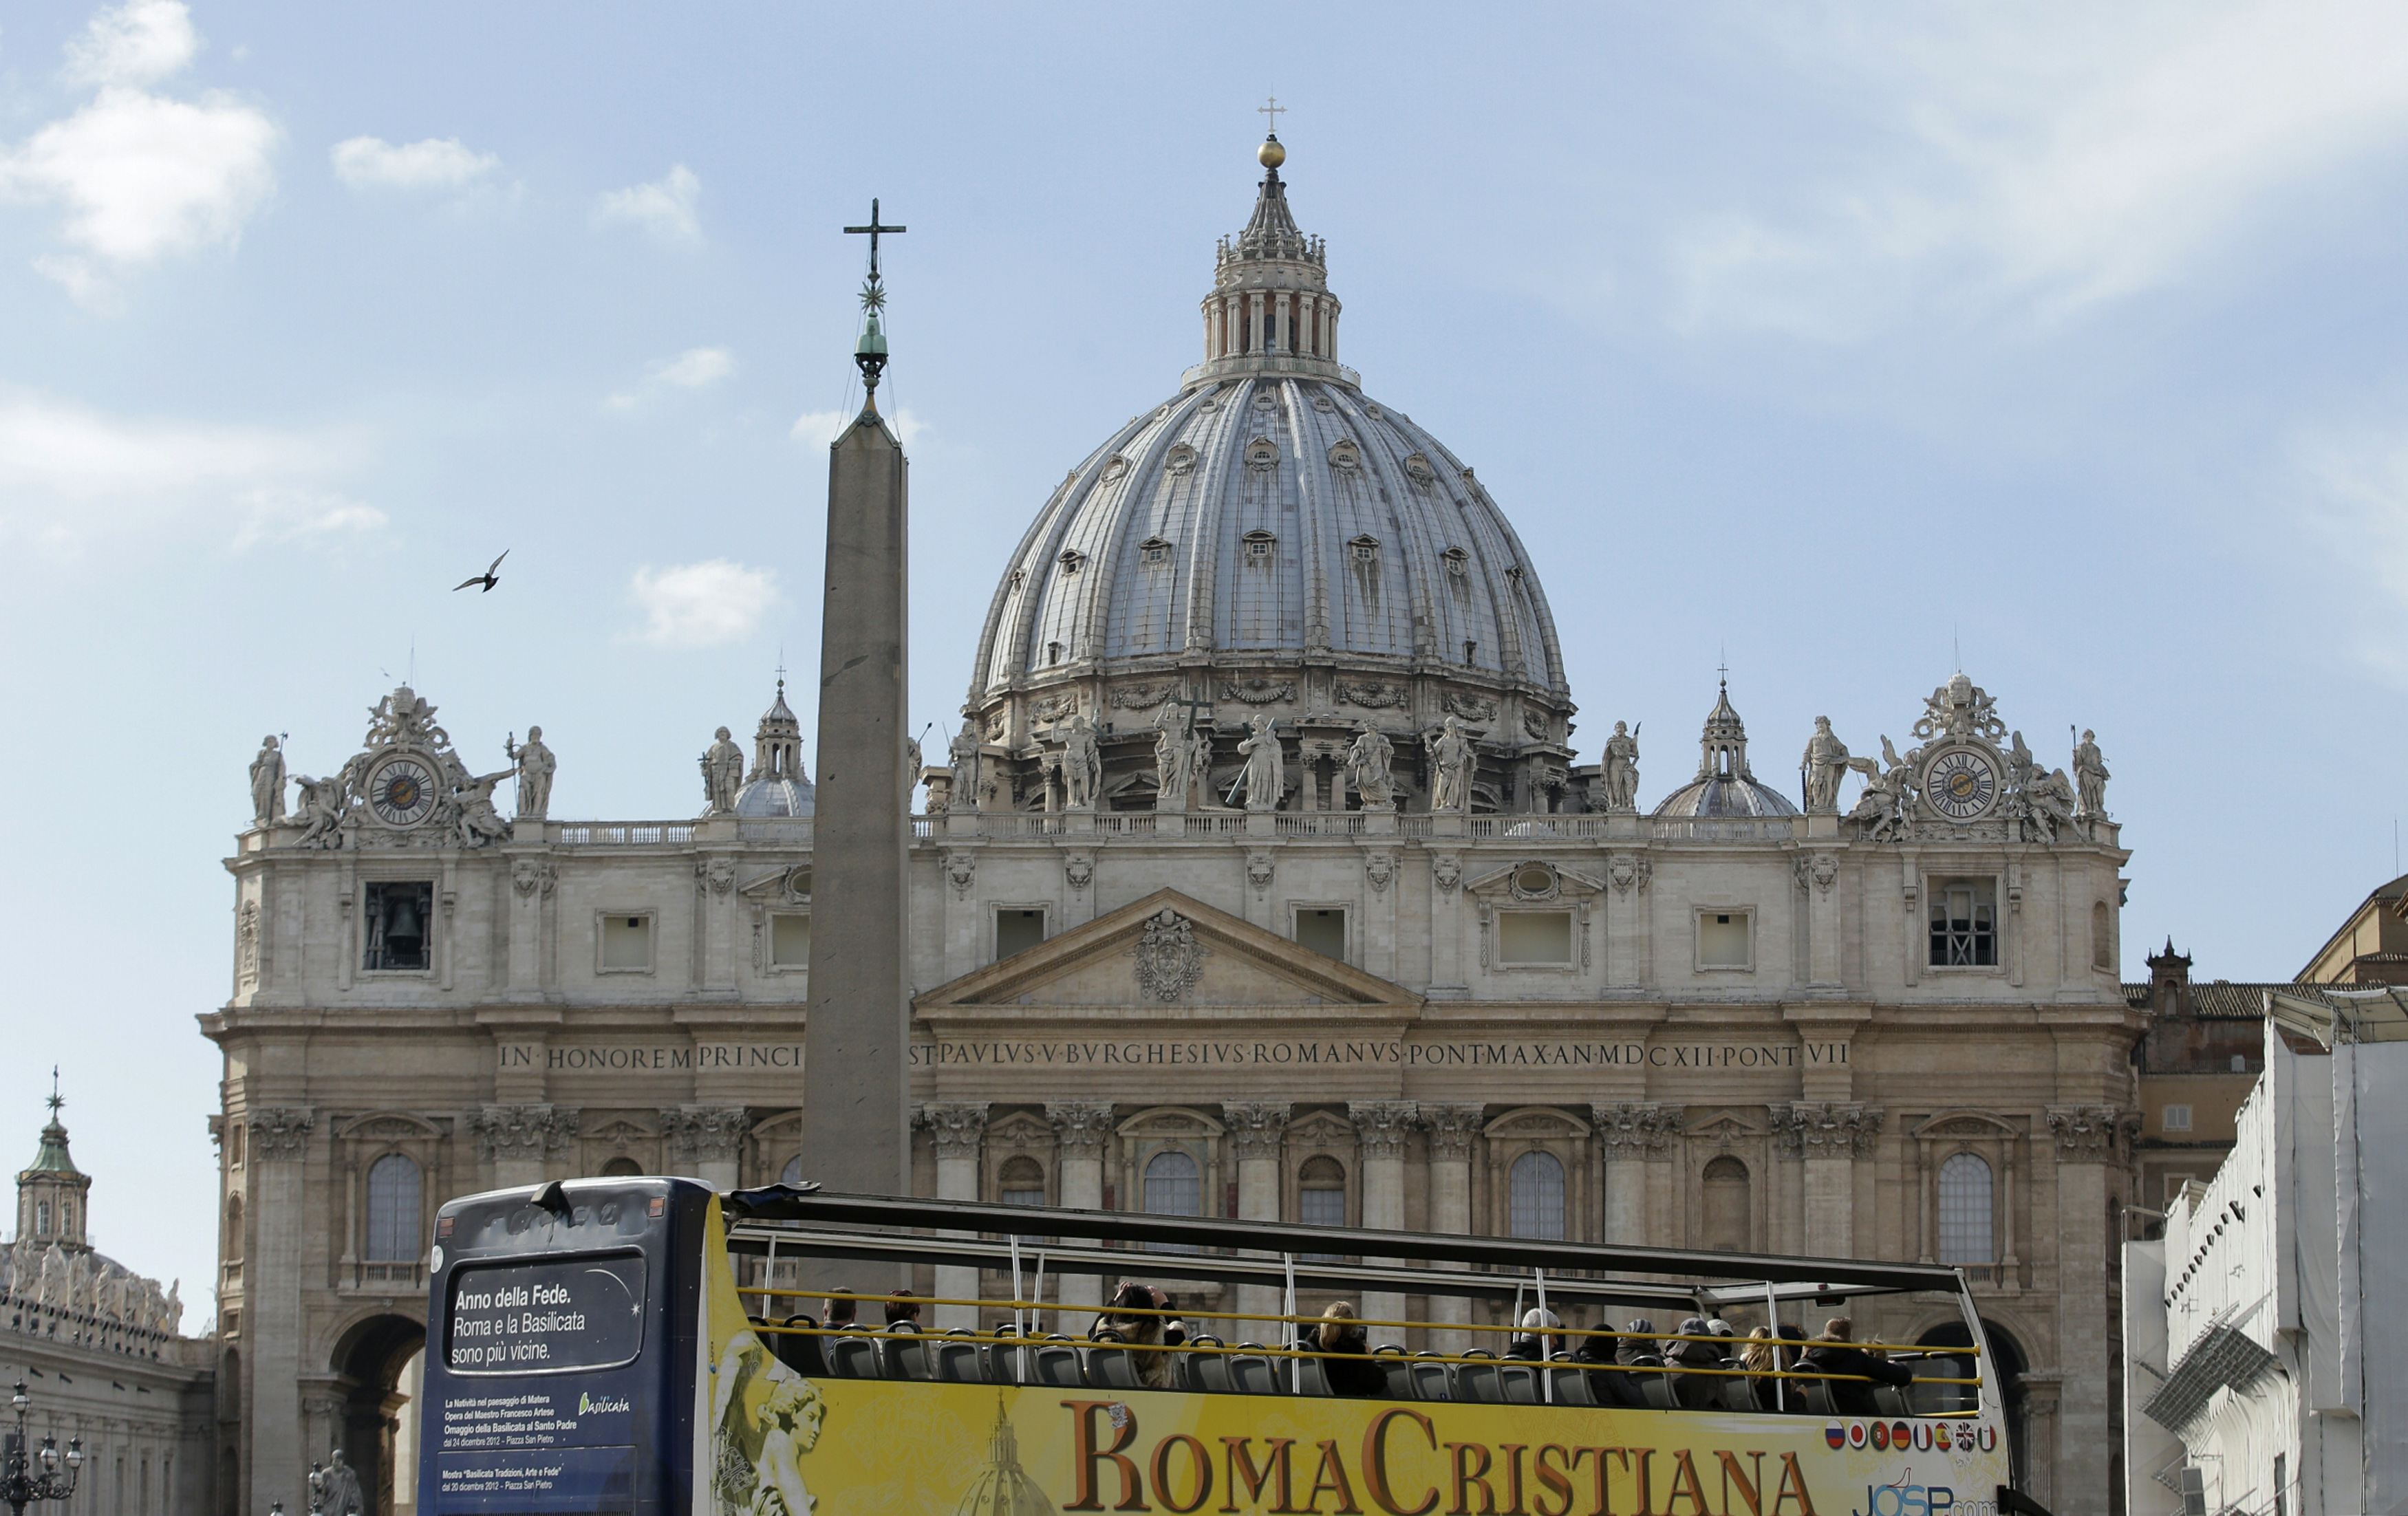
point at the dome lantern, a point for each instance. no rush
(1726, 786)
(1270, 308)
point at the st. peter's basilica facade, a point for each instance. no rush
(1261, 882)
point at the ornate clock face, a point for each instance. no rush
(402, 792)
(1960, 784)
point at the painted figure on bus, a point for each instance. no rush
(765, 1417)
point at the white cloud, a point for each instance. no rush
(696, 367)
(2355, 484)
(702, 605)
(663, 208)
(141, 42)
(2046, 159)
(283, 514)
(432, 164)
(820, 428)
(68, 471)
(137, 177)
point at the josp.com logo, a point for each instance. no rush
(1906, 1499)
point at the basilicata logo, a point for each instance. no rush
(607, 1405)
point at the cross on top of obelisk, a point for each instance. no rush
(870, 352)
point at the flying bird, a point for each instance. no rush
(488, 578)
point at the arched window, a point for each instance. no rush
(1727, 1209)
(394, 1203)
(1537, 1196)
(1021, 1181)
(621, 1166)
(1964, 1236)
(1173, 1187)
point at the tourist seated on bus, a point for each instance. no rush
(1352, 1373)
(1762, 1357)
(1131, 1317)
(1607, 1384)
(1540, 1338)
(840, 1306)
(903, 1310)
(1696, 1348)
(1639, 1348)
(1835, 1353)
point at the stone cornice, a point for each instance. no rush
(278, 1132)
(706, 1132)
(1081, 1127)
(1828, 1129)
(1381, 1126)
(1255, 1127)
(521, 1132)
(1636, 1127)
(1451, 1131)
(955, 1128)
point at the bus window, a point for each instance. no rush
(546, 1315)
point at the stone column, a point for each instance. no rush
(1081, 1130)
(2089, 1138)
(957, 1131)
(856, 1105)
(1447, 927)
(531, 882)
(1830, 1138)
(714, 971)
(1820, 877)
(1629, 1135)
(280, 1218)
(707, 1142)
(1257, 1132)
(1450, 1133)
(517, 1140)
(1381, 1128)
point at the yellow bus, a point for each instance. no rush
(638, 1345)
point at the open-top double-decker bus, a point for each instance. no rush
(636, 1345)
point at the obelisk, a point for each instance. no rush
(856, 1103)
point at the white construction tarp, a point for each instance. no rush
(2370, 1139)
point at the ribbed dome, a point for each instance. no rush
(1273, 541)
(1003, 1488)
(1725, 785)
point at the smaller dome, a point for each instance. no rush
(777, 785)
(1725, 785)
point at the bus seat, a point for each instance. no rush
(953, 1362)
(798, 1350)
(1112, 1369)
(1252, 1375)
(1816, 1393)
(904, 1353)
(999, 1362)
(1188, 1369)
(1478, 1382)
(1397, 1367)
(1658, 1389)
(1054, 1364)
(1570, 1386)
(1431, 1381)
(1889, 1401)
(1313, 1374)
(854, 1358)
(1699, 1392)
(1739, 1394)
(1518, 1383)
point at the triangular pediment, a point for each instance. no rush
(1168, 951)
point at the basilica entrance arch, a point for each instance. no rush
(372, 1363)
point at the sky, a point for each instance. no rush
(1844, 343)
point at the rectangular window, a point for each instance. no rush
(400, 922)
(1964, 925)
(2176, 1119)
(1726, 939)
(1323, 931)
(1534, 937)
(627, 945)
(1017, 931)
(790, 941)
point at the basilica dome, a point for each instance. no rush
(1272, 540)
(777, 785)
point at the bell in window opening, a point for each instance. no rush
(400, 925)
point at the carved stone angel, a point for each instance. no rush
(1888, 804)
(321, 811)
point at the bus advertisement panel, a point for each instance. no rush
(776, 1443)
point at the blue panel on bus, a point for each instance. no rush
(530, 1479)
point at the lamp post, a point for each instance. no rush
(19, 1486)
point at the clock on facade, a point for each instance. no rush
(1961, 783)
(402, 792)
